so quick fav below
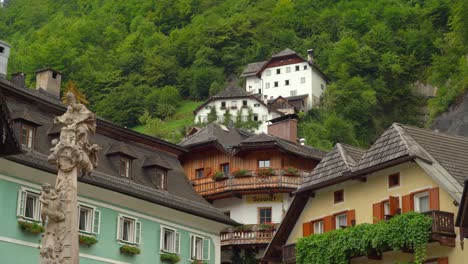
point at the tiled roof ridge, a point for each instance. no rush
(413, 146)
(347, 159)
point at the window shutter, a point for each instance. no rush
(177, 243)
(443, 260)
(394, 202)
(377, 212)
(307, 229)
(206, 249)
(21, 202)
(138, 232)
(328, 223)
(119, 227)
(192, 247)
(408, 203)
(161, 238)
(97, 221)
(350, 217)
(434, 199)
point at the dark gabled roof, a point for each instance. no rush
(26, 115)
(294, 148)
(9, 144)
(227, 138)
(289, 98)
(340, 160)
(232, 91)
(156, 160)
(179, 195)
(451, 152)
(252, 68)
(285, 52)
(120, 148)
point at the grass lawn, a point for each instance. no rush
(182, 118)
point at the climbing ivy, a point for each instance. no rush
(410, 231)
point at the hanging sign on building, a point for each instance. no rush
(277, 198)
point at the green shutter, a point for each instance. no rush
(21, 202)
(119, 227)
(177, 243)
(206, 249)
(138, 233)
(96, 221)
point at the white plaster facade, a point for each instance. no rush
(261, 111)
(242, 211)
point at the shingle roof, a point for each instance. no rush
(284, 52)
(252, 68)
(156, 160)
(27, 115)
(226, 137)
(180, 194)
(120, 148)
(298, 149)
(232, 91)
(339, 161)
(9, 144)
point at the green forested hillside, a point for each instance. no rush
(125, 55)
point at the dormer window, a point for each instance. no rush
(125, 167)
(28, 134)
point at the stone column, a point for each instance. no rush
(74, 156)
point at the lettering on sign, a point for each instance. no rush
(265, 199)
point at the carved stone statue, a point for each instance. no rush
(72, 154)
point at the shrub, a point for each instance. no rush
(31, 227)
(132, 250)
(266, 226)
(87, 240)
(292, 171)
(170, 258)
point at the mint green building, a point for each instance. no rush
(138, 205)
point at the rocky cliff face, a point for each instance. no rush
(454, 121)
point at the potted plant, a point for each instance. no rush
(265, 172)
(218, 176)
(170, 258)
(197, 261)
(131, 250)
(31, 227)
(266, 227)
(292, 171)
(240, 173)
(87, 240)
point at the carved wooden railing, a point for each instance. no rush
(280, 179)
(289, 253)
(244, 237)
(443, 227)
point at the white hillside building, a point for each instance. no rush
(237, 101)
(288, 75)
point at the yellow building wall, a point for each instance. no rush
(360, 196)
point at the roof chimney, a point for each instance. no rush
(49, 80)
(284, 127)
(19, 79)
(310, 55)
(4, 54)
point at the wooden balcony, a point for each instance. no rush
(289, 254)
(443, 227)
(442, 231)
(252, 235)
(281, 181)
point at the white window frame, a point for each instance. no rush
(288, 69)
(386, 206)
(263, 163)
(267, 85)
(268, 72)
(175, 247)
(128, 166)
(417, 203)
(337, 220)
(204, 252)
(318, 227)
(135, 232)
(293, 92)
(94, 219)
(21, 205)
(303, 79)
(30, 132)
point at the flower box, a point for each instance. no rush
(131, 250)
(291, 172)
(218, 176)
(170, 258)
(241, 173)
(31, 227)
(87, 240)
(265, 172)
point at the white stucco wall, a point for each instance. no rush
(311, 85)
(259, 109)
(247, 213)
